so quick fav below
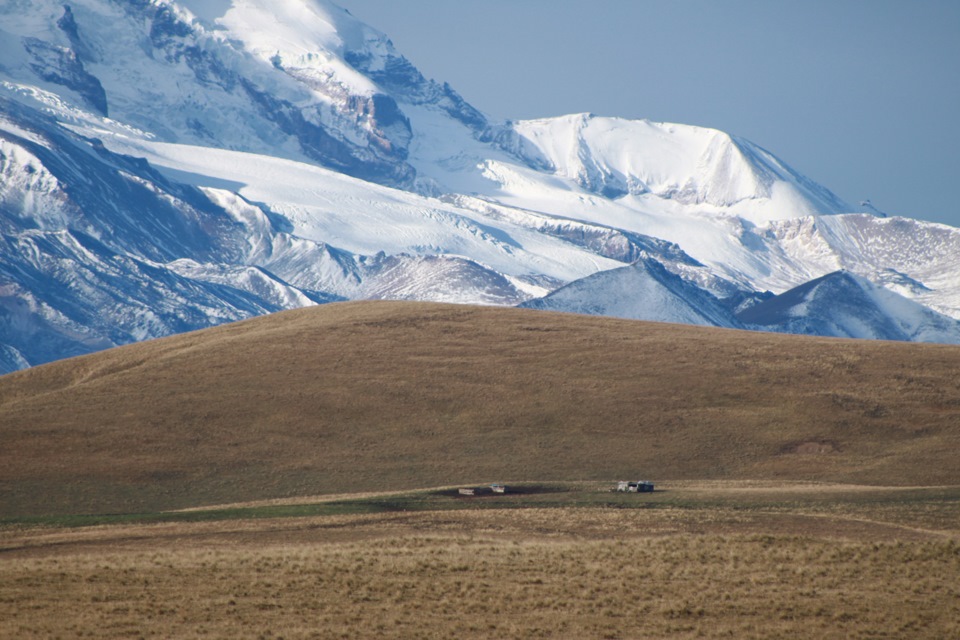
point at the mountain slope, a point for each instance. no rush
(222, 82)
(362, 396)
(839, 304)
(845, 305)
(168, 165)
(919, 260)
(644, 290)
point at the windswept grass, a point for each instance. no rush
(709, 559)
(479, 574)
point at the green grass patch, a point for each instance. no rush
(864, 501)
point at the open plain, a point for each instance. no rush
(295, 476)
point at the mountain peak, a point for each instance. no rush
(267, 155)
(844, 304)
(644, 290)
(687, 164)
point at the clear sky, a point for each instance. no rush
(862, 96)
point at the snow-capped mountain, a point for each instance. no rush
(689, 165)
(167, 165)
(644, 290)
(845, 305)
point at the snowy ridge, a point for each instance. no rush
(169, 165)
(692, 165)
(842, 304)
(185, 72)
(644, 290)
(919, 260)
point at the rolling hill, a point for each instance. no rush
(361, 396)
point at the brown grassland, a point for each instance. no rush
(271, 478)
(694, 560)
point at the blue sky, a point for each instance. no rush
(862, 96)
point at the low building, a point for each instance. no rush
(640, 486)
(496, 487)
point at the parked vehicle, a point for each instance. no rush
(640, 486)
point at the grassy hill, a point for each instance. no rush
(388, 395)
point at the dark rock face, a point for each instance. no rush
(617, 244)
(165, 27)
(317, 143)
(393, 132)
(456, 106)
(61, 66)
(68, 24)
(400, 78)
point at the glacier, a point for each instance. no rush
(170, 165)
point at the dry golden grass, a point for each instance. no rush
(370, 396)
(554, 573)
